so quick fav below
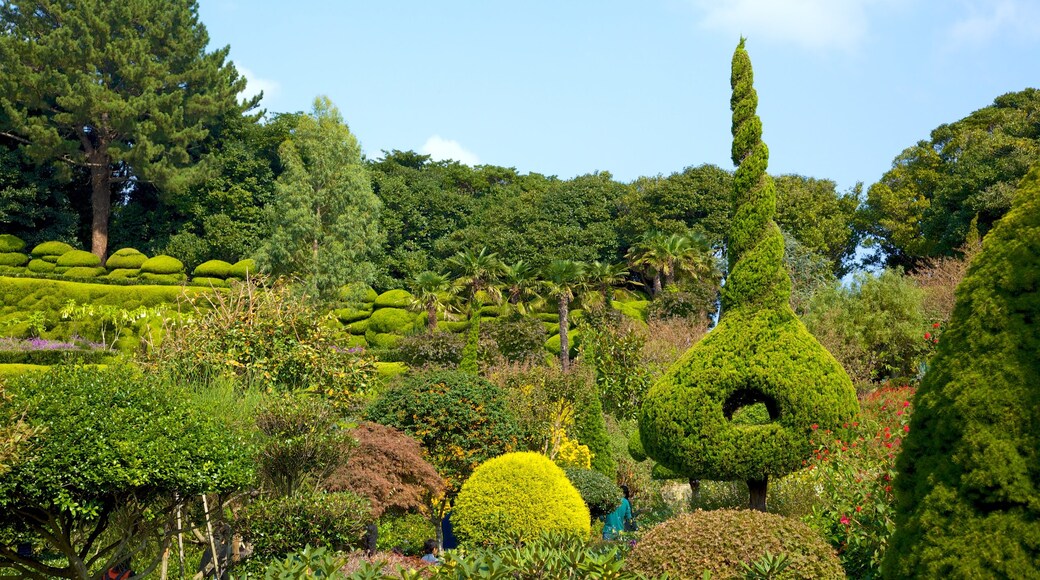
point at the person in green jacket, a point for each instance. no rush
(620, 519)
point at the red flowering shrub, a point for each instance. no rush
(852, 469)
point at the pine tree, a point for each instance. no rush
(697, 419)
(968, 488)
(123, 89)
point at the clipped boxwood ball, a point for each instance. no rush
(40, 266)
(78, 258)
(84, 272)
(358, 327)
(598, 491)
(382, 339)
(573, 340)
(517, 496)
(243, 269)
(51, 249)
(13, 259)
(11, 243)
(719, 541)
(126, 259)
(394, 299)
(357, 292)
(393, 320)
(348, 315)
(162, 264)
(212, 269)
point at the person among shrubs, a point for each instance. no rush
(430, 552)
(620, 519)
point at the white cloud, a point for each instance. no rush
(255, 84)
(988, 19)
(811, 24)
(440, 149)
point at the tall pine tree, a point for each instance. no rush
(124, 89)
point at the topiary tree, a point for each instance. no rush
(720, 541)
(759, 354)
(515, 498)
(968, 489)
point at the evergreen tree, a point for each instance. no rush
(693, 419)
(325, 218)
(125, 90)
(968, 489)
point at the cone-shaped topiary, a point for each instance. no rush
(517, 496)
(759, 352)
(968, 489)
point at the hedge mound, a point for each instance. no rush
(119, 273)
(212, 269)
(392, 321)
(78, 259)
(357, 292)
(84, 271)
(209, 282)
(39, 266)
(11, 243)
(719, 541)
(394, 299)
(162, 264)
(13, 259)
(517, 496)
(968, 489)
(243, 269)
(126, 259)
(600, 494)
(51, 249)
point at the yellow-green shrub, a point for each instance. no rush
(51, 249)
(119, 273)
(209, 282)
(719, 541)
(392, 320)
(162, 278)
(84, 271)
(126, 258)
(13, 259)
(11, 243)
(162, 264)
(357, 292)
(352, 314)
(212, 269)
(39, 266)
(243, 269)
(517, 496)
(78, 258)
(394, 299)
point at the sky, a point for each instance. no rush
(634, 87)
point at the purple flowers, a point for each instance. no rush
(18, 344)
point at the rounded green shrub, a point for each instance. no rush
(124, 272)
(84, 272)
(437, 349)
(11, 243)
(968, 484)
(517, 497)
(353, 341)
(394, 299)
(14, 259)
(162, 264)
(348, 315)
(40, 266)
(357, 292)
(78, 258)
(719, 541)
(243, 269)
(600, 494)
(209, 282)
(636, 310)
(382, 340)
(51, 249)
(126, 258)
(358, 327)
(162, 278)
(454, 325)
(392, 320)
(552, 344)
(212, 269)
(281, 525)
(50, 259)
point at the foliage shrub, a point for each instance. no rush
(84, 271)
(243, 269)
(162, 278)
(126, 258)
(280, 525)
(75, 258)
(968, 484)
(162, 264)
(600, 494)
(720, 541)
(352, 314)
(124, 273)
(52, 356)
(388, 468)
(51, 249)
(392, 321)
(358, 293)
(515, 339)
(383, 341)
(612, 345)
(11, 243)
(404, 532)
(460, 419)
(394, 299)
(515, 498)
(40, 266)
(13, 259)
(431, 349)
(212, 269)
(693, 301)
(209, 282)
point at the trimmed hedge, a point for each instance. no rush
(162, 278)
(162, 264)
(719, 541)
(126, 258)
(394, 299)
(51, 249)
(78, 258)
(14, 259)
(209, 282)
(968, 489)
(11, 243)
(598, 491)
(357, 291)
(382, 339)
(124, 273)
(348, 315)
(40, 266)
(392, 320)
(212, 269)
(243, 269)
(358, 327)
(84, 272)
(517, 497)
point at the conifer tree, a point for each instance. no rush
(968, 483)
(741, 403)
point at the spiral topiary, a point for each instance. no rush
(517, 497)
(600, 494)
(759, 352)
(968, 489)
(719, 541)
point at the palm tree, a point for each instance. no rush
(604, 276)
(433, 294)
(476, 272)
(562, 279)
(667, 256)
(518, 282)
(651, 255)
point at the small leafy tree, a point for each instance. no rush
(113, 445)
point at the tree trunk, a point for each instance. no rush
(657, 283)
(431, 316)
(695, 489)
(101, 204)
(757, 489)
(565, 354)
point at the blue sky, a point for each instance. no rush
(635, 87)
